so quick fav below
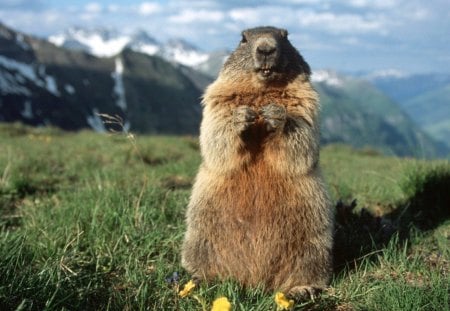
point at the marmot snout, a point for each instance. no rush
(266, 55)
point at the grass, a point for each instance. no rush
(89, 222)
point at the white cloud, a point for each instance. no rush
(351, 41)
(113, 8)
(189, 16)
(279, 16)
(420, 14)
(247, 15)
(148, 8)
(378, 4)
(304, 1)
(341, 23)
(319, 27)
(93, 8)
(326, 21)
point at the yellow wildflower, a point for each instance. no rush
(282, 302)
(221, 304)
(188, 287)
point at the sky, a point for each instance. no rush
(405, 36)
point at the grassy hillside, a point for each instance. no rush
(359, 114)
(425, 97)
(91, 221)
(432, 110)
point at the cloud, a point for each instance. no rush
(379, 4)
(93, 8)
(245, 15)
(325, 21)
(113, 8)
(280, 16)
(341, 23)
(322, 28)
(27, 5)
(148, 8)
(198, 16)
(420, 14)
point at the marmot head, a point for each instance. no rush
(267, 53)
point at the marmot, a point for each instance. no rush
(259, 212)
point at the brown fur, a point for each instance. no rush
(259, 212)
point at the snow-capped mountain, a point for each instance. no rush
(141, 41)
(389, 73)
(42, 84)
(100, 42)
(184, 53)
(329, 77)
(103, 42)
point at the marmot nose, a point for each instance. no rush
(266, 49)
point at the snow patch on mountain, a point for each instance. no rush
(126, 127)
(14, 83)
(140, 41)
(184, 53)
(95, 122)
(9, 84)
(147, 49)
(27, 111)
(328, 77)
(21, 42)
(25, 70)
(57, 39)
(69, 89)
(107, 43)
(51, 85)
(189, 58)
(99, 42)
(119, 89)
(387, 73)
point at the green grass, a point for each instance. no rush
(90, 221)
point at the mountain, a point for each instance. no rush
(141, 41)
(212, 65)
(357, 113)
(41, 83)
(100, 42)
(425, 97)
(183, 52)
(401, 86)
(431, 110)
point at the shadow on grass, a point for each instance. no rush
(361, 234)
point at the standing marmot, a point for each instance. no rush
(259, 212)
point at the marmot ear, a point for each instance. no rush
(284, 33)
(244, 36)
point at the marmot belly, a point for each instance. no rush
(261, 216)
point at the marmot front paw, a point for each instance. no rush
(274, 116)
(243, 118)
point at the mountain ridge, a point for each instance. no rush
(45, 84)
(106, 42)
(425, 97)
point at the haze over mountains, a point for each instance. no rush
(425, 97)
(156, 87)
